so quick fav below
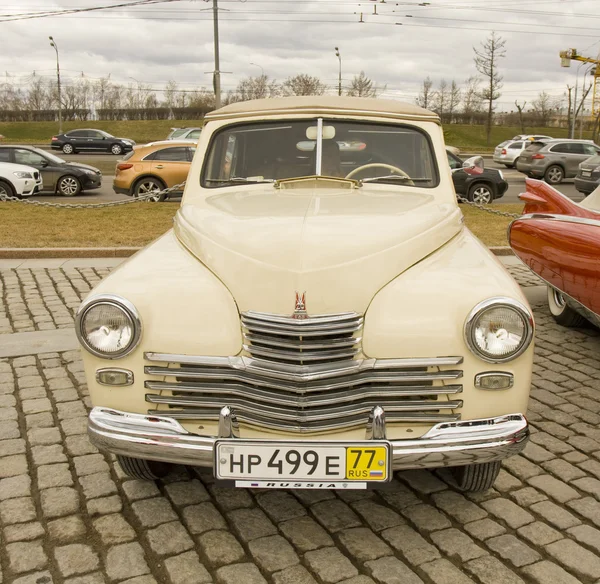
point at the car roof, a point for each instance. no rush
(171, 143)
(574, 140)
(315, 104)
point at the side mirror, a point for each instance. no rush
(473, 165)
(44, 163)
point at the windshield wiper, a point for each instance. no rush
(240, 180)
(395, 177)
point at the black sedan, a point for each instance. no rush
(58, 176)
(588, 177)
(479, 188)
(90, 141)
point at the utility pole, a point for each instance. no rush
(337, 54)
(53, 44)
(217, 72)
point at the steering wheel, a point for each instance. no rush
(380, 165)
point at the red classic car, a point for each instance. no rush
(560, 241)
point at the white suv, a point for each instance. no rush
(19, 180)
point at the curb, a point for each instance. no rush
(26, 253)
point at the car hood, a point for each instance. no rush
(82, 166)
(339, 246)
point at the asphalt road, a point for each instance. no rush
(515, 179)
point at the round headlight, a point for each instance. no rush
(108, 327)
(499, 329)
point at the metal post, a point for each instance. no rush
(217, 72)
(53, 44)
(337, 54)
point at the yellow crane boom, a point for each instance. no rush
(572, 55)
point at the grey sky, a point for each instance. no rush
(155, 44)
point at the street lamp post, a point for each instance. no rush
(262, 71)
(53, 44)
(337, 54)
(139, 91)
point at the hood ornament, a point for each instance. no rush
(300, 309)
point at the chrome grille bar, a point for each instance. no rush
(305, 343)
(301, 356)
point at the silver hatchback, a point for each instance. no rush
(555, 160)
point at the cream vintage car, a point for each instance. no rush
(318, 317)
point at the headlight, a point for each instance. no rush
(88, 171)
(499, 329)
(108, 326)
(23, 174)
(501, 175)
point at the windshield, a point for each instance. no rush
(264, 152)
(49, 156)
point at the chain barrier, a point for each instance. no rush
(149, 197)
(487, 209)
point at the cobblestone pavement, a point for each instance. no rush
(67, 514)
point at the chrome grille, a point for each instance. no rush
(304, 398)
(316, 339)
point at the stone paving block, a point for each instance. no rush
(43, 420)
(484, 529)
(74, 426)
(513, 550)
(399, 497)
(94, 578)
(50, 454)
(220, 548)
(557, 516)
(114, 529)
(23, 532)
(34, 578)
(230, 499)
(169, 539)
(54, 475)
(273, 553)
(280, 506)
(187, 493)
(391, 570)
(20, 510)
(89, 464)
(426, 518)
(10, 447)
(187, 569)
(554, 488)
(59, 501)
(138, 489)
(506, 482)
(527, 496)
(79, 445)
(547, 572)
(490, 570)
(11, 466)
(330, 565)
(586, 535)
(458, 507)
(104, 505)
(13, 487)
(443, 572)
(76, 559)
(363, 545)
(521, 467)
(66, 529)
(456, 545)
(575, 558)
(294, 575)
(152, 512)
(305, 534)
(202, 518)
(251, 524)
(97, 485)
(508, 512)
(422, 481)
(377, 516)
(9, 429)
(44, 436)
(588, 508)
(26, 556)
(539, 534)
(410, 544)
(247, 573)
(126, 561)
(335, 515)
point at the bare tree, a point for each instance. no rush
(441, 99)
(256, 88)
(303, 85)
(170, 94)
(543, 106)
(425, 97)
(486, 61)
(472, 100)
(521, 108)
(38, 95)
(362, 86)
(453, 99)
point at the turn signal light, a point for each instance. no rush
(124, 166)
(538, 156)
(494, 380)
(54, 138)
(504, 151)
(114, 377)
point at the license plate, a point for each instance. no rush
(308, 465)
(586, 173)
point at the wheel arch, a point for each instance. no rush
(484, 182)
(10, 184)
(144, 176)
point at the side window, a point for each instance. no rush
(78, 134)
(562, 148)
(94, 134)
(190, 153)
(577, 148)
(516, 145)
(453, 162)
(27, 157)
(4, 155)
(590, 149)
(194, 135)
(173, 154)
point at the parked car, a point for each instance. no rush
(532, 137)
(18, 180)
(58, 176)
(90, 141)
(184, 134)
(479, 188)
(153, 167)
(508, 152)
(588, 177)
(335, 320)
(554, 160)
(560, 241)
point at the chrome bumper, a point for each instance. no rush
(446, 444)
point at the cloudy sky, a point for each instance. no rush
(397, 44)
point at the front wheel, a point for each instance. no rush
(68, 186)
(6, 189)
(554, 174)
(139, 468)
(147, 186)
(476, 478)
(480, 193)
(563, 314)
(116, 149)
(68, 149)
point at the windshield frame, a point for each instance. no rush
(320, 120)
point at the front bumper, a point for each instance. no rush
(501, 188)
(89, 182)
(446, 444)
